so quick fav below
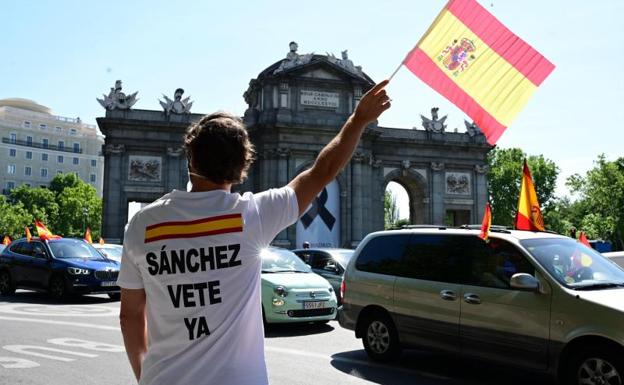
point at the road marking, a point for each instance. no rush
(17, 363)
(60, 310)
(89, 345)
(65, 323)
(28, 350)
(354, 361)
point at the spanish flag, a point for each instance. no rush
(486, 223)
(222, 224)
(6, 240)
(474, 61)
(583, 239)
(43, 232)
(529, 215)
(28, 236)
(87, 236)
(102, 241)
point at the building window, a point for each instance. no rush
(13, 138)
(76, 147)
(29, 140)
(61, 145)
(10, 169)
(58, 129)
(59, 159)
(43, 126)
(27, 185)
(93, 162)
(28, 154)
(72, 132)
(92, 178)
(45, 143)
(26, 124)
(27, 171)
(44, 173)
(76, 161)
(44, 157)
(59, 172)
(12, 152)
(9, 185)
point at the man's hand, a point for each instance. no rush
(372, 104)
(337, 153)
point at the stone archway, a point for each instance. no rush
(417, 192)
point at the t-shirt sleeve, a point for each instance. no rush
(278, 209)
(129, 274)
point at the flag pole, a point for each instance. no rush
(395, 71)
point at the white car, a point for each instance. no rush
(616, 256)
(110, 250)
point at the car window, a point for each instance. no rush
(67, 248)
(305, 256)
(383, 254)
(38, 250)
(494, 263)
(320, 260)
(23, 248)
(437, 257)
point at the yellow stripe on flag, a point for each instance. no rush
(489, 79)
(221, 224)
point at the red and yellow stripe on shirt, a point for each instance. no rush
(231, 223)
(478, 64)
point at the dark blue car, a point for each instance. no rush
(60, 266)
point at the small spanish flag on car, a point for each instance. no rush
(28, 236)
(6, 240)
(529, 215)
(486, 223)
(87, 236)
(43, 232)
(102, 241)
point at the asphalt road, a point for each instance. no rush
(79, 342)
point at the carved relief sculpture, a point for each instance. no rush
(457, 183)
(117, 100)
(144, 168)
(177, 105)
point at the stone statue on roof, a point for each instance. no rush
(434, 124)
(293, 59)
(117, 100)
(177, 105)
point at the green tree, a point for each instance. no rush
(600, 210)
(62, 181)
(391, 210)
(13, 218)
(39, 202)
(506, 175)
(79, 208)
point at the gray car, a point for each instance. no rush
(535, 300)
(329, 263)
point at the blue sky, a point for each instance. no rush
(64, 54)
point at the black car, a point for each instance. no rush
(330, 263)
(60, 266)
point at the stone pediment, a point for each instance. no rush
(320, 73)
(318, 67)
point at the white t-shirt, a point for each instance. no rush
(197, 255)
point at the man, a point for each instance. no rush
(190, 274)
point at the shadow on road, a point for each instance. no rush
(42, 298)
(424, 368)
(295, 329)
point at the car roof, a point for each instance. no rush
(504, 234)
(327, 249)
(98, 245)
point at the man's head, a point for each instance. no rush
(218, 148)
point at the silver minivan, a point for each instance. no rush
(536, 300)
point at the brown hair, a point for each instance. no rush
(218, 148)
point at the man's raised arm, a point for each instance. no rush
(337, 153)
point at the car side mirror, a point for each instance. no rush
(524, 281)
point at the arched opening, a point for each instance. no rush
(396, 206)
(412, 195)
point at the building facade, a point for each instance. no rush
(36, 145)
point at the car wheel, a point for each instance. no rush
(57, 287)
(595, 365)
(6, 284)
(114, 296)
(380, 339)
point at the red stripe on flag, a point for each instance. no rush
(422, 66)
(501, 40)
(524, 223)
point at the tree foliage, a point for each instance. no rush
(67, 208)
(506, 175)
(391, 210)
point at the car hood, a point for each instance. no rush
(101, 264)
(295, 280)
(612, 298)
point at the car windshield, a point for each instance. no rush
(111, 252)
(342, 256)
(282, 261)
(72, 248)
(575, 265)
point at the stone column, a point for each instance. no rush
(357, 210)
(377, 197)
(438, 190)
(480, 193)
(174, 178)
(112, 226)
(283, 154)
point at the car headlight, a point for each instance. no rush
(280, 290)
(278, 302)
(78, 271)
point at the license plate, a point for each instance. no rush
(314, 305)
(109, 283)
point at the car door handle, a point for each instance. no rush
(448, 295)
(472, 298)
